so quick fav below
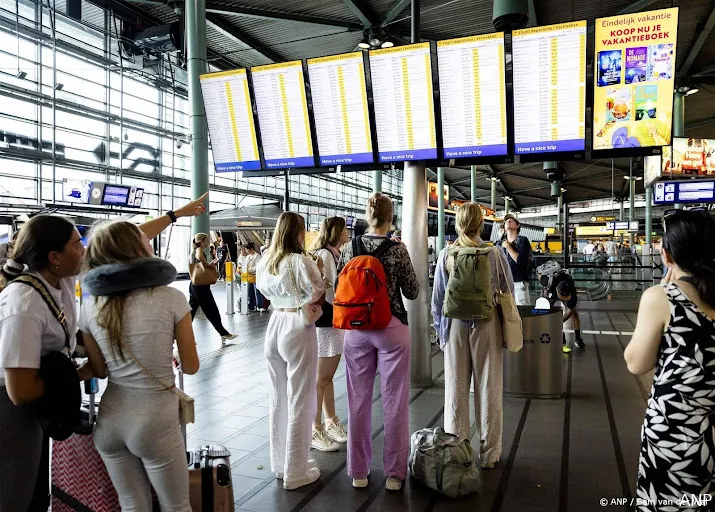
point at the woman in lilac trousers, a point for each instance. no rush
(387, 350)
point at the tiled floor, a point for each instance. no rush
(558, 454)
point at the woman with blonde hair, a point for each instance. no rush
(129, 326)
(200, 294)
(472, 349)
(333, 235)
(292, 281)
(388, 350)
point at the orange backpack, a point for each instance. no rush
(361, 298)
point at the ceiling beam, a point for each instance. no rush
(360, 13)
(703, 34)
(707, 70)
(243, 38)
(395, 11)
(701, 123)
(252, 12)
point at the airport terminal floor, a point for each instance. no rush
(558, 454)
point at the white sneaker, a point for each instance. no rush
(488, 465)
(322, 441)
(311, 476)
(336, 430)
(393, 483)
(360, 483)
(229, 337)
(311, 464)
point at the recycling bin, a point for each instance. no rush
(536, 370)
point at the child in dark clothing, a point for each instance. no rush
(563, 288)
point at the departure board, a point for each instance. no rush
(230, 119)
(473, 96)
(283, 115)
(342, 121)
(550, 88)
(404, 104)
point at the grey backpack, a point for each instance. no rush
(443, 462)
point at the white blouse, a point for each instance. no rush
(331, 273)
(279, 289)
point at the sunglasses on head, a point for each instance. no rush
(669, 213)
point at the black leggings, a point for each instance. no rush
(202, 296)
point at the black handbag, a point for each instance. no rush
(326, 319)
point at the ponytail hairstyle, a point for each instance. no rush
(109, 243)
(469, 224)
(378, 211)
(199, 239)
(683, 231)
(38, 237)
(330, 232)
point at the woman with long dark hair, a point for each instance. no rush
(333, 235)
(292, 281)
(200, 294)
(50, 249)
(675, 334)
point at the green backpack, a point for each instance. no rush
(469, 294)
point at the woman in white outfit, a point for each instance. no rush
(472, 349)
(333, 235)
(293, 283)
(129, 326)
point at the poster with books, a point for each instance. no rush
(634, 82)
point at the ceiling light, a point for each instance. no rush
(58, 87)
(364, 45)
(563, 190)
(390, 44)
(21, 75)
(691, 91)
(374, 41)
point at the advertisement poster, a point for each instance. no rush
(432, 195)
(634, 80)
(692, 157)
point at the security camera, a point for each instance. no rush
(178, 143)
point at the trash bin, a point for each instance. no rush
(536, 370)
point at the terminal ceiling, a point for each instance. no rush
(244, 33)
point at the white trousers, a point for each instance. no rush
(291, 351)
(521, 293)
(476, 352)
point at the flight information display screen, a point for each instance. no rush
(404, 103)
(550, 88)
(283, 115)
(230, 119)
(473, 96)
(342, 120)
(115, 195)
(695, 191)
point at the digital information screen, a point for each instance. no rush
(692, 157)
(695, 191)
(634, 77)
(230, 119)
(76, 191)
(136, 195)
(283, 115)
(342, 121)
(115, 195)
(550, 88)
(404, 103)
(472, 92)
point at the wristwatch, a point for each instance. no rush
(172, 216)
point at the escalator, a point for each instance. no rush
(592, 283)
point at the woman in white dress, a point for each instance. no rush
(333, 235)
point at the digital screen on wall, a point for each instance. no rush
(115, 195)
(230, 119)
(652, 169)
(433, 195)
(342, 119)
(472, 91)
(634, 73)
(283, 115)
(404, 103)
(691, 191)
(550, 89)
(692, 157)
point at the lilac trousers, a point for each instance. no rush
(366, 352)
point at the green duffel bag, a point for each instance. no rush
(469, 294)
(443, 462)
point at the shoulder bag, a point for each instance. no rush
(186, 403)
(202, 274)
(512, 333)
(310, 313)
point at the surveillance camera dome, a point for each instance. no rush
(510, 15)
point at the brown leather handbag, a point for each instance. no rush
(202, 274)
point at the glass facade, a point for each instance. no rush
(73, 108)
